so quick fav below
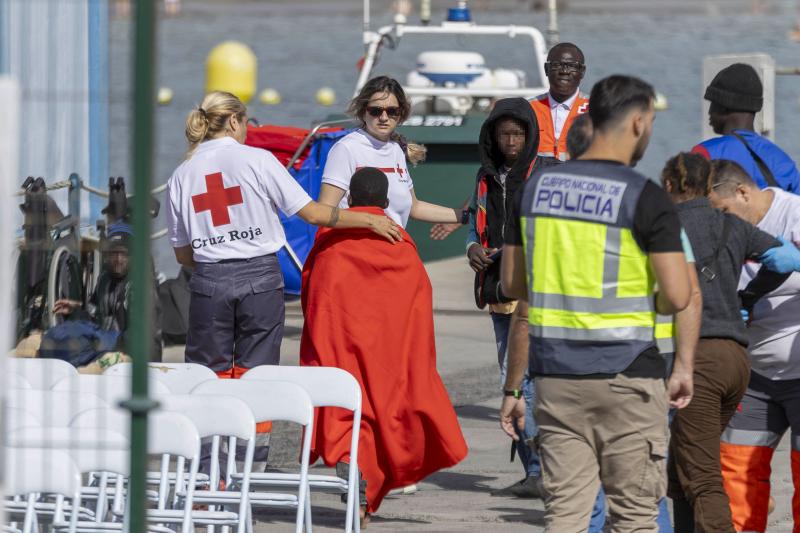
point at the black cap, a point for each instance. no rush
(737, 88)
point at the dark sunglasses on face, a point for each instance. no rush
(391, 112)
(569, 66)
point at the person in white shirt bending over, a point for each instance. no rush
(771, 404)
(222, 214)
(381, 106)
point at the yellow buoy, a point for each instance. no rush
(661, 103)
(164, 96)
(269, 97)
(325, 96)
(232, 67)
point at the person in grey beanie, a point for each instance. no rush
(736, 95)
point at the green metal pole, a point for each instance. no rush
(141, 269)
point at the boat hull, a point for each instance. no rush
(447, 177)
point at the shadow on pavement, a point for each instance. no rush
(478, 412)
(461, 482)
(522, 514)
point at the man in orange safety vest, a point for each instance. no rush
(557, 109)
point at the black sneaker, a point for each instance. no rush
(529, 488)
(507, 491)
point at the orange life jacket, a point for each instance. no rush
(549, 146)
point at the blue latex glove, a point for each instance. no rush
(745, 315)
(782, 259)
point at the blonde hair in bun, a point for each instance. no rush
(211, 117)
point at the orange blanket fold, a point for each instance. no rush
(368, 310)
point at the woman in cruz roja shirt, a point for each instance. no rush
(381, 106)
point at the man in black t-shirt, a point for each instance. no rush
(587, 242)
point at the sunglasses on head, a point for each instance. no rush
(377, 111)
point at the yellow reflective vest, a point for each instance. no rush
(591, 289)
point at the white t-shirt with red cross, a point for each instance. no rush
(224, 201)
(774, 331)
(360, 149)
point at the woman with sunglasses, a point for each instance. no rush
(381, 107)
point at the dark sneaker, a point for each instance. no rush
(506, 491)
(530, 487)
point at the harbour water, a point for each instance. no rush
(302, 46)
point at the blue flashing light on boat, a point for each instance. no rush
(459, 14)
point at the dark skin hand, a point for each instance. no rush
(564, 81)
(479, 257)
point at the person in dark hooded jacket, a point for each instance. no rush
(507, 146)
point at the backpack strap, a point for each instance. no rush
(762, 166)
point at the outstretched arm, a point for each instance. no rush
(330, 194)
(332, 217)
(427, 212)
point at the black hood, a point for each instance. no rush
(491, 158)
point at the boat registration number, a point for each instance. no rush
(435, 120)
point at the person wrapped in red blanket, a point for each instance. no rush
(368, 309)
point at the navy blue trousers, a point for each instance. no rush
(236, 314)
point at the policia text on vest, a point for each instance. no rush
(582, 196)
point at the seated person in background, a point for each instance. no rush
(109, 303)
(368, 310)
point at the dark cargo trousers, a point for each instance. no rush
(236, 316)
(721, 373)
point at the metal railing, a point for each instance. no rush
(76, 184)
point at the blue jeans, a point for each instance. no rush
(598, 519)
(530, 460)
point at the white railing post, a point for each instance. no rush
(9, 154)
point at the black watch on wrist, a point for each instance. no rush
(516, 393)
(464, 216)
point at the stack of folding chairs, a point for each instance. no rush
(67, 446)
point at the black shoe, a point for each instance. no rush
(530, 487)
(508, 491)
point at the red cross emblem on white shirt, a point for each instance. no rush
(388, 170)
(217, 199)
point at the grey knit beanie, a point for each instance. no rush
(737, 88)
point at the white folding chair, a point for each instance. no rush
(94, 450)
(169, 434)
(327, 387)
(280, 401)
(113, 389)
(218, 417)
(16, 418)
(180, 378)
(52, 408)
(15, 381)
(30, 472)
(40, 373)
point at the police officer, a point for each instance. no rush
(223, 220)
(595, 236)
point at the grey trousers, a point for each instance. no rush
(236, 314)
